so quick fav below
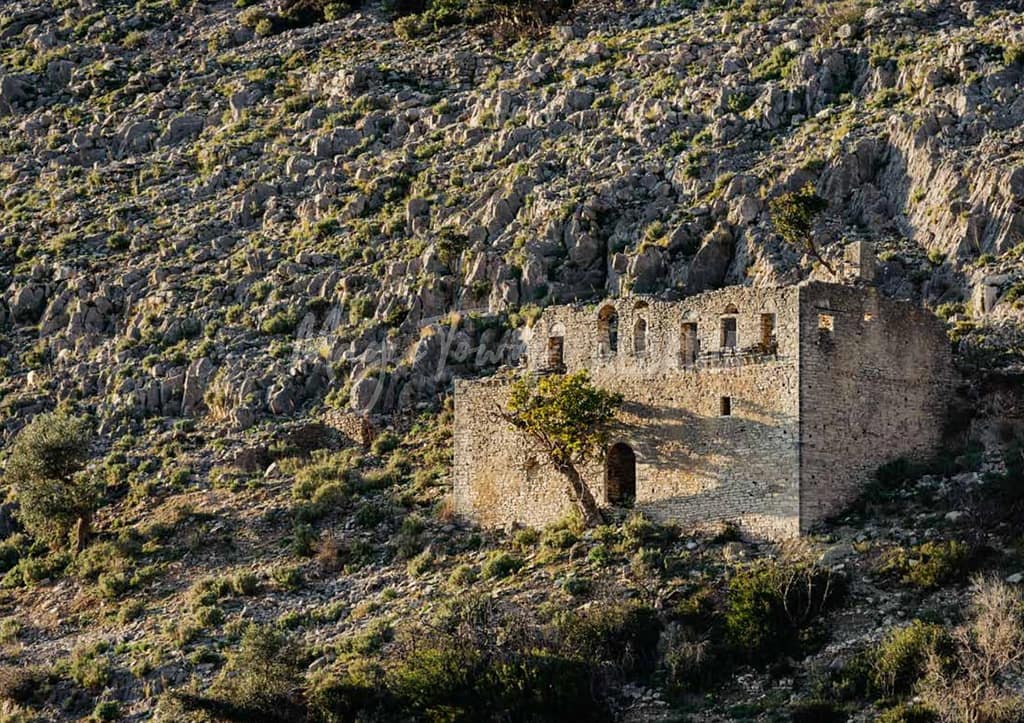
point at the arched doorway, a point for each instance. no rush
(620, 475)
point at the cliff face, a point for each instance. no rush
(187, 204)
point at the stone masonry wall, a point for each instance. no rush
(812, 413)
(498, 478)
(873, 389)
(694, 465)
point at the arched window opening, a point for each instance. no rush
(608, 330)
(620, 475)
(640, 337)
(556, 348)
(689, 343)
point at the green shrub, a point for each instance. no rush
(600, 555)
(421, 563)
(304, 540)
(106, 710)
(473, 661)
(1013, 55)
(462, 576)
(11, 551)
(89, 666)
(898, 662)
(907, 713)
(287, 577)
(775, 67)
(770, 603)
(560, 539)
(817, 711)
(23, 684)
(526, 538)
(282, 322)
(45, 471)
(245, 583)
(638, 531)
(33, 570)
(938, 563)
(112, 585)
(623, 633)
(500, 564)
(261, 676)
(385, 443)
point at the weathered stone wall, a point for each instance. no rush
(812, 415)
(873, 389)
(585, 344)
(498, 478)
(693, 465)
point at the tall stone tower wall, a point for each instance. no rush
(876, 377)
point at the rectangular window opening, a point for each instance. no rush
(690, 346)
(826, 323)
(767, 331)
(726, 406)
(556, 346)
(729, 332)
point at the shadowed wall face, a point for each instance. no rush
(875, 379)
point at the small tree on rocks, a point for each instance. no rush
(45, 471)
(567, 418)
(793, 216)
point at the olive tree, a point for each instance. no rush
(793, 215)
(45, 471)
(567, 418)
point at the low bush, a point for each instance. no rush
(770, 604)
(262, 679)
(90, 665)
(898, 663)
(384, 444)
(474, 661)
(929, 565)
(23, 684)
(817, 711)
(624, 634)
(500, 564)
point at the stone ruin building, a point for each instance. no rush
(768, 408)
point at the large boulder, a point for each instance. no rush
(710, 265)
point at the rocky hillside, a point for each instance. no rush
(190, 209)
(222, 233)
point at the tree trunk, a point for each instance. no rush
(580, 493)
(80, 535)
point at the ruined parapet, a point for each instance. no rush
(861, 261)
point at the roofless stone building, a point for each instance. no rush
(769, 408)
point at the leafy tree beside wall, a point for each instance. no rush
(567, 418)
